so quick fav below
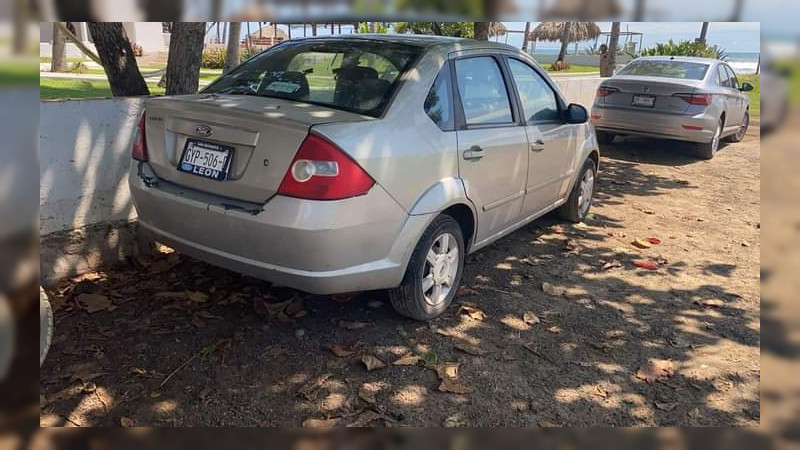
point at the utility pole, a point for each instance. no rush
(525, 36)
(703, 33)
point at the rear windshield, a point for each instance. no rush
(356, 75)
(667, 69)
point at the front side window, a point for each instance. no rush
(438, 103)
(538, 100)
(355, 75)
(482, 91)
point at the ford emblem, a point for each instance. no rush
(203, 130)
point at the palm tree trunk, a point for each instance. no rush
(232, 51)
(118, 60)
(482, 30)
(185, 57)
(613, 42)
(20, 27)
(313, 28)
(738, 6)
(564, 41)
(58, 62)
(525, 36)
(703, 33)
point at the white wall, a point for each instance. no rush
(579, 89)
(84, 158)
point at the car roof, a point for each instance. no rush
(445, 43)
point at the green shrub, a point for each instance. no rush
(213, 58)
(686, 48)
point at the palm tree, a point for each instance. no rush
(613, 42)
(703, 33)
(525, 36)
(232, 51)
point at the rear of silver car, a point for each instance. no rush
(250, 183)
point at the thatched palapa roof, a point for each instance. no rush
(552, 31)
(497, 29)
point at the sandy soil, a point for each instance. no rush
(176, 342)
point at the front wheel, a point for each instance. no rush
(433, 273)
(580, 199)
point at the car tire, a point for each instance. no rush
(742, 132)
(577, 206)
(428, 287)
(605, 138)
(45, 325)
(707, 150)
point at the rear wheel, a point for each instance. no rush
(580, 199)
(709, 149)
(605, 138)
(739, 136)
(433, 273)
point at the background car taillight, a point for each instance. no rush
(139, 151)
(605, 91)
(695, 99)
(322, 171)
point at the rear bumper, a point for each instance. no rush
(657, 125)
(362, 243)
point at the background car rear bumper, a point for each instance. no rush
(357, 244)
(650, 124)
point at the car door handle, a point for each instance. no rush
(474, 153)
(537, 146)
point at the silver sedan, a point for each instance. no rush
(364, 162)
(698, 100)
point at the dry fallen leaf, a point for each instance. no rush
(612, 265)
(472, 313)
(408, 359)
(454, 387)
(456, 420)
(641, 243)
(447, 370)
(309, 390)
(466, 290)
(530, 318)
(367, 393)
(556, 291)
(372, 363)
(710, 302)
(546, 424)
(196, 297)
(320, 423)
(96, 302)
(367, 417)
(127, 422)
(555, 329)
(656, 370)
(665, 406)
(342, 352)
(649, 265)
(470, 349)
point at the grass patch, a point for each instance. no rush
(755, 94)
(574, 69)
(18, 74)
(790, 69)
(66, 88)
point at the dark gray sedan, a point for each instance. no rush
(698, 100)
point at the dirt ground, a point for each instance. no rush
(555, 325)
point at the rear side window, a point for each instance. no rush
(538, 100)
(482, 91)
(666, 69)
(732, 77)
(439, 102)
(723, 77)
(353, 75)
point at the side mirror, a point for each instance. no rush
(577, 113)
(746, 87)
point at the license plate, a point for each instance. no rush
(644, 100)
(206, 159)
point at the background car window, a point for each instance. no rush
(483, 91)
(438, 103)
(734, 82)
(666, 69)
(538, 100)
(723, 77)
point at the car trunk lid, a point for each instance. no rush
(263, 133)
(662, 91)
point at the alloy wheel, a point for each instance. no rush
(441, 268)
(586, 191)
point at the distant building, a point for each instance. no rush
(153, 37)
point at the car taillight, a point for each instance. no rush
(322, 171)
(695, 99)
(139, 151)
(605, 91)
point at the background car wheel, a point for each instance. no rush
(434, 271)
(45, 325)
(580, 199)
(605, 138)
(709, 149)
(740, 134)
